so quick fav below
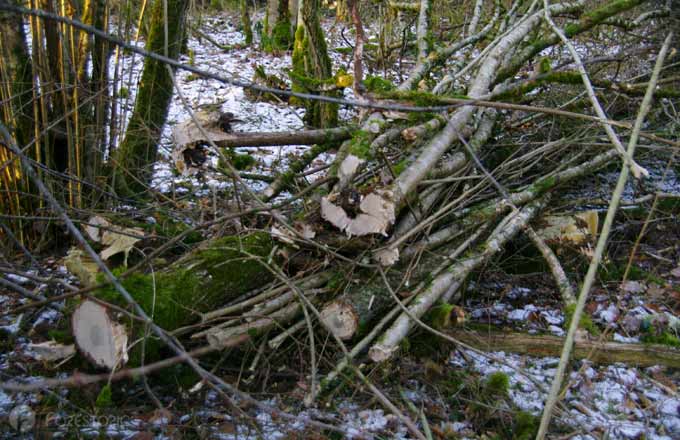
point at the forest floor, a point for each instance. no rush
(459, 393)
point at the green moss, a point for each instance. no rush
(544, 66)
(281, 38)
(206, 278)
(400, 167)
(360, 145)
(439, 316)
(344, 50)
(665, 338)
(612, 272)
(336, 281)
(312, 68)
(525, 426)
(669, 204)
(104, 399)
(240, 161)
(545, 184)
(376, 84)
(496, 385)
(571, 29)
(60, 336)
(586, 323)
(168, 227)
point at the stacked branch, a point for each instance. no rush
(420, 205)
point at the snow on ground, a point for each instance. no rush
(237, 63)
(614, 401)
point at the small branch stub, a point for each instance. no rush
(100, 339)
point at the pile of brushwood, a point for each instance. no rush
(494, 123)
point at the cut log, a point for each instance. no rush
(341, 319)
(99, 337)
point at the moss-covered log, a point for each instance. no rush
(211, 275)
(135, 156)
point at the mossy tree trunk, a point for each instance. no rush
(134, 158)
(278, 28)
(245, 22)
(312, 66)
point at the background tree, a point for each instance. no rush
(134, 158)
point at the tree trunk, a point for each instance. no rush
(133, 160)
(245, 22)
(278, 28)
(312, 65)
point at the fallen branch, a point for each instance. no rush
(641, 355)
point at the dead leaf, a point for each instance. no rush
(655, 291)
(387, 257)
(82, 266)
(51, 351)
(633, 287)
(676, 272)
(575, 228)
(93, 231)
(122, 241)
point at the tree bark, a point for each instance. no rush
(134, 158)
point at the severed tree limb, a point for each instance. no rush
(642, 355)
(452, 165)
(476, 15)
(408, 181)
(422, 29)
(274, 138)
(285, 179)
